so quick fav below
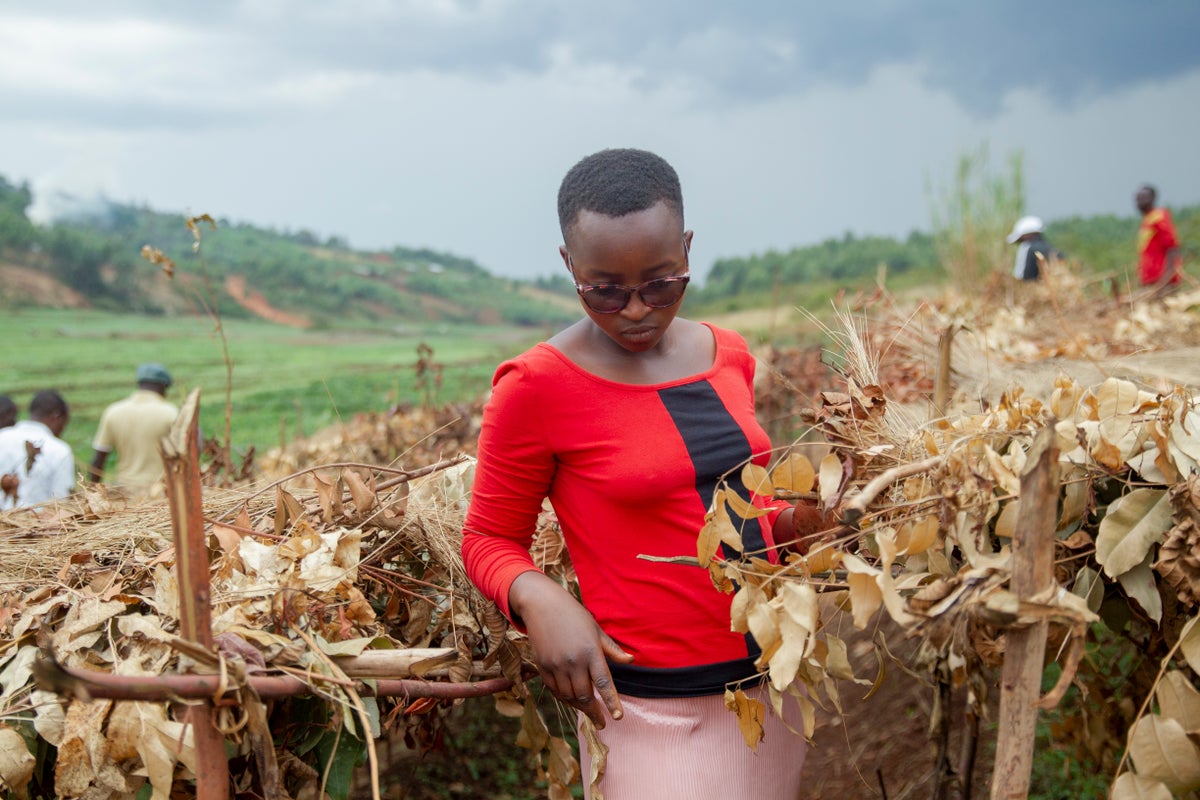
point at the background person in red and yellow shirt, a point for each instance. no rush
(1158, 245)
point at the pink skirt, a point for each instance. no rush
(690, 748)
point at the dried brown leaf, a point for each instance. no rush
(1161, 750)
(1064, 400)
(865, 593)
(1189, 643)
(749, 714)
(598, 755)
(718, 527)
(1129, 786)
(837, 660)
(326, 490)
(1135, 522)
(287, 508)
(82, 750)
(1006, 520)
(830, 480)
(744, 509)
(794, 473)
(1116, 399)
(534, 735)
(227, 538)
(16, 763)
(1138, 582)
(757, 480)
(821, 559)
(362, 492)
(1179, 699)
(917, 536)
(508, 706)
(797, 619)
(1107, 454)
(562, 763)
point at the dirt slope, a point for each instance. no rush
(30, 287)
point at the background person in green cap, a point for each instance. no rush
(133, 428)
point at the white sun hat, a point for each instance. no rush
(1025, 225)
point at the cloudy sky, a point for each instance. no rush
(449, 123)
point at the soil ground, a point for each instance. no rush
(880, 746)
(33, 288)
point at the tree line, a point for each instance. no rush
(1099, 246)
(97, 252)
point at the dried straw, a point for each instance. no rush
(36, 546)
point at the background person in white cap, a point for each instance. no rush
(1028, 234)
(133, 428)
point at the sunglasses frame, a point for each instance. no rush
(585, 290)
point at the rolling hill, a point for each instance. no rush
(122, 258)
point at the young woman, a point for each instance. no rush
(626, 421)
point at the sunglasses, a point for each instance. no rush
(610, 298)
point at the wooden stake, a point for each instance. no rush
(941, 379)
(180, 450)
(1025, 648)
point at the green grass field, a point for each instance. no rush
(285, 382)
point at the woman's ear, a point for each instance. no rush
(566, 257)
(687, 240)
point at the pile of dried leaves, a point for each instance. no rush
(417, 436)
(338, 576)
(922, 517)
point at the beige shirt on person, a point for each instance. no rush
(133, 427)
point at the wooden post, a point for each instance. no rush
(180, 450)
(941, 378)
(1025, 648)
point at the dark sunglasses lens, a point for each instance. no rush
(606, 300)
(664, 293)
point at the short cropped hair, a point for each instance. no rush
(617, 182)
(1149, 190)
(46, 403)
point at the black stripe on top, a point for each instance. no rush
(716, 445)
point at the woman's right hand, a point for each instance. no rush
(572, 651)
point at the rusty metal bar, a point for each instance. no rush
(180, 450)
(95, 684)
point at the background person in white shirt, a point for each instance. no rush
(35, 465)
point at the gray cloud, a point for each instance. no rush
(142, 113)
(448, 124)
(975, 51)
(724, 52)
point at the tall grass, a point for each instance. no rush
(973, 215)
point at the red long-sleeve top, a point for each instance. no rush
(1156, 238)
(629, 470)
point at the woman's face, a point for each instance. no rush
(629, 250)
